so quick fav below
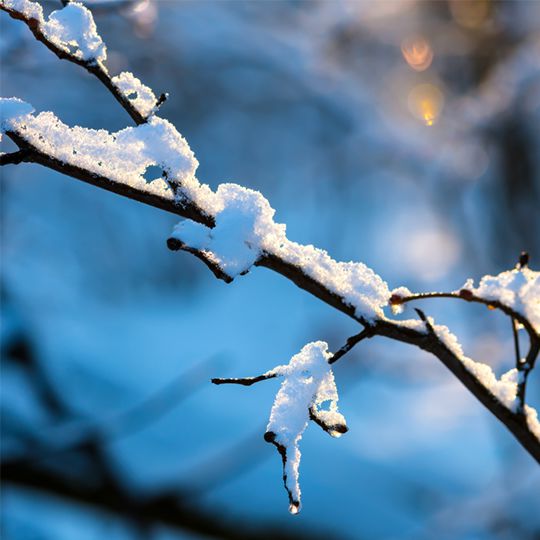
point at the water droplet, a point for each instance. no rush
(294, 508)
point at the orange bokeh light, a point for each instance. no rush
(470, 13)
(417, 52)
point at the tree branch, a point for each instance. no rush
(183, 208)
(366, 333)
(515, 422)
(169, 508)
(13, 158)
(469, 296)
(523, 365)
(94, 68)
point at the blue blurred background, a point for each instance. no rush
(402, 134)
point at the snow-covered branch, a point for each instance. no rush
(71, 34)
(232, 229)
(308, 392)
(517, 294)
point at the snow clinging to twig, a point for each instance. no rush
(245, 230)
(518, 289)
(71, 29)
(123, 156)
(244, 221)
(308, 385)
(504, 389)
(141, 96)
(31, 10)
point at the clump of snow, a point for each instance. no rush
(532, 420)
(401, 292)
(518, 289)
(31, 10)
(141, 97)
(71, 28)
(12, 109)
(309, 383)
(243, 221)
(357, 284)
(396, 297)
(121, 157)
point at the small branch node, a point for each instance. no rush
(523, 260)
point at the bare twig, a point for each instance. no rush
(245, 381)
(366, 333)
(13, 158)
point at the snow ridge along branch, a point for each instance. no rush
(232, 229)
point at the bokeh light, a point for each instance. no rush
(417, 52)
(426, 103)
(470, 13)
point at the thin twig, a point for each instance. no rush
(13, 158)
(332, 429)
(516, 340)
(248, 381)
(366, 333)
(245, 381)
(468, 296)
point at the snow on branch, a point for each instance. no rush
(123, 157)
(139, 95)
(308, 392)
(518, 290)
(71, 34)
(516, 293)
(505, 389)
(242, 226)
(71, 30)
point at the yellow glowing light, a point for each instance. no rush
(426, 102)
(470, 13)
(417, 52)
